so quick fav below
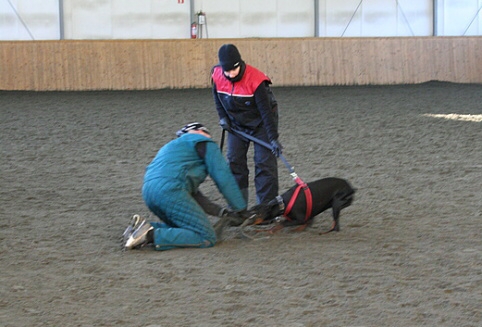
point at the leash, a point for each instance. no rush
(301, 184)
(223, 135)
(268, 146)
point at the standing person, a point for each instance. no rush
(244, 101)
(170, 191)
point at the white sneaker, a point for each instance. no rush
(134, 223)
(138, 238)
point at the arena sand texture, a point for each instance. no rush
(409, 252)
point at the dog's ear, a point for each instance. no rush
(274, 211)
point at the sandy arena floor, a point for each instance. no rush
(409, 252)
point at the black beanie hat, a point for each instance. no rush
(229, 57)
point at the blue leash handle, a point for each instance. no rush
(268, 146)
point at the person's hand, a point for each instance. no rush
(229, 217)
(276, 148)
(224, 123)
(235, 218)
(244, 214)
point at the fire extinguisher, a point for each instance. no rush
(193, 30)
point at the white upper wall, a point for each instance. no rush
(466, 13)
(375, 18)
(29, 20)
(254, 18)
(126, 19)
(171, 19)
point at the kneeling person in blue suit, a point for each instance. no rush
(170, 191)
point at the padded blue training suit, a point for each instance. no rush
(170, 181)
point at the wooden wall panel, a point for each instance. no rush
(155, 64)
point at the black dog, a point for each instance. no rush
(294, 205)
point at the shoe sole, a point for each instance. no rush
(139, 237)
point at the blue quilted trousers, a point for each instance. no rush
(184, 222)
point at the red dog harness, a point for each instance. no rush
(309, 199)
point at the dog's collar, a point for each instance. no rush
(281, 204)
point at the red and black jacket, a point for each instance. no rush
(247, 100)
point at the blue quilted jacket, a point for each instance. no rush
(178, 165)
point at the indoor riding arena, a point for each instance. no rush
(77, 134)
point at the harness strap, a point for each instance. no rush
(308, 196)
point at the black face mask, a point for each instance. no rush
(242, 69)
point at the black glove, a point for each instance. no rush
(276, 148)
(235, 218)
(224, 123)
(244, 214)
